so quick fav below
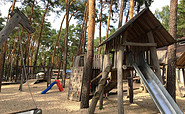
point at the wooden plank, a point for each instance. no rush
(120, 81)
(154, 56)
(7, 30)
(139, 28)
(139, 44)
(25, 22)
(157, 39)
(96, 77)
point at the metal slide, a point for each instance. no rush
(159, 94)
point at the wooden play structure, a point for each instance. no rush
(133, 47)
(77, 72)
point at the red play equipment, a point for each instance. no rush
(51, 85)
(59, 85)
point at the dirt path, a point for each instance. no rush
(55, 102)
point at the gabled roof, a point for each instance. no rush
(181, 61)
(139, 26)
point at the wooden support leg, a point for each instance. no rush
(154, 56)
(120, 81)
(163, 77)
(130, 86)
(183, 75)
(101, 84)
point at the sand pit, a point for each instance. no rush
(55, 102)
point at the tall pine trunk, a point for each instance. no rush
(3, 52)
(29, 46)
(40, 36)
(101, 9)
(82, 32)
(108, 22)
(65, 44)
(171, 57)
(121, 14)
(31, 58)
(56, 42)
(89, 58)
(85, 31)
(131, 9)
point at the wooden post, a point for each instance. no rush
(101, 84)
(177, 85)
(130, 87)
(183, 75)
(163, 77)
(120, 80)
(154, 56)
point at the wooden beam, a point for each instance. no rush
(96, 77)
(101, 84)
(7, 30)
(17, 17)
(25, 22)
(120, 80)
(154, 56)
(139, 44)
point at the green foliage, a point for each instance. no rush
(181, 19)
(163, 16)
(140, 3)
(96, 41)
(1, 22)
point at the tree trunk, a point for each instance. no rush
(17, 63)
(3, 54)
(131, 9)
(85, 31)
(56, 42)
(12, 58)
(89, 58)
(65, 44)
(31, 58)
(99, 48)
(82, 31)
(127, 17)
(171, 57)
(121, 14)
(40, 36)
(108, 22)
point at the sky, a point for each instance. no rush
(157, 4)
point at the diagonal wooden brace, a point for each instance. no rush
(17, 18)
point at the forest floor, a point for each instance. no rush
(55, 102)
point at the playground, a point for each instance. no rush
(128, 72)
(56, 102)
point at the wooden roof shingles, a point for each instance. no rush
(143, 23)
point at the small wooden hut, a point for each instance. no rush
(143, 33)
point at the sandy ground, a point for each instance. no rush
(55, 102)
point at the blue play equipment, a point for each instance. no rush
(68, 71)
(49, 87)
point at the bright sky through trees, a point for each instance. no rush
(55, 20)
